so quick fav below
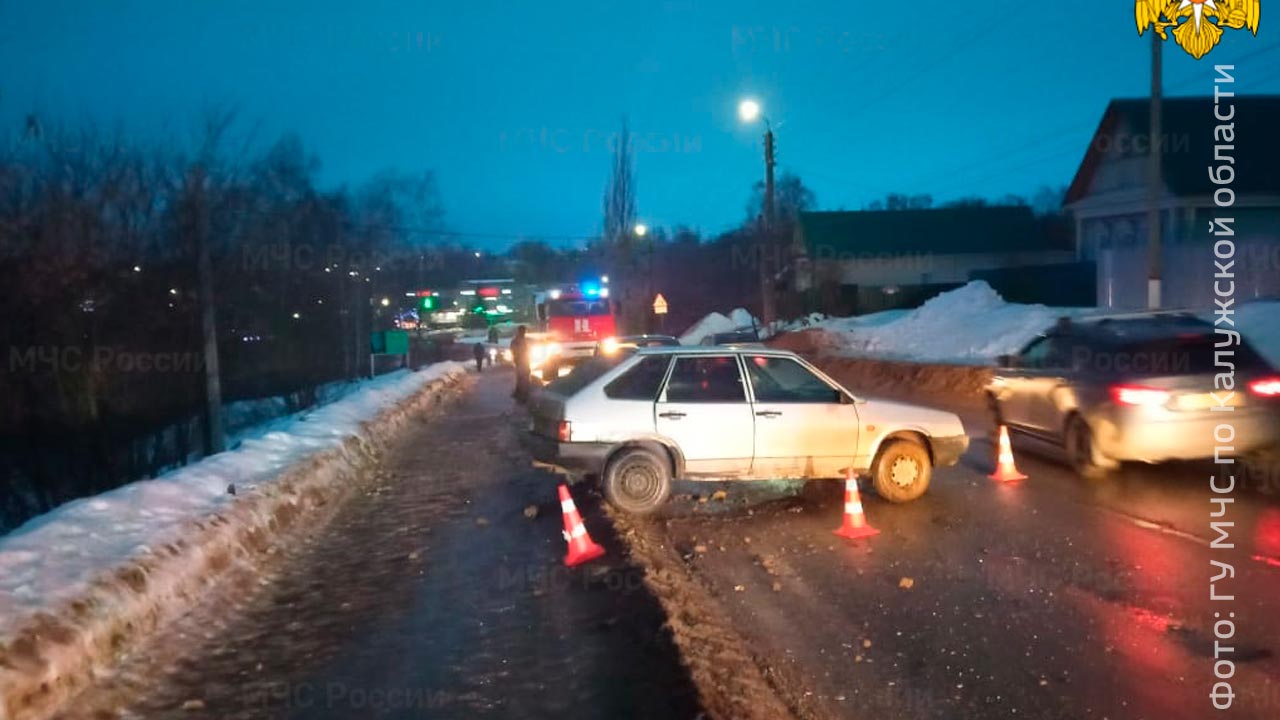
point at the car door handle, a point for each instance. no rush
(768, 414)
(671, 415)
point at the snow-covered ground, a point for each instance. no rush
(973, 325)
(715, 323)
(57, 556)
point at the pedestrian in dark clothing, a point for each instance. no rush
(520, 356)
(478, 352)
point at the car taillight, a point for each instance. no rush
(1139, 395)
(1266, 387)
(564, 431)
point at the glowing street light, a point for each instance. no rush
(749, 111)
(641, 230)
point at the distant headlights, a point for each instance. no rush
(609, 346)
(542, 352)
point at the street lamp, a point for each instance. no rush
(749, 111)
(641, 230)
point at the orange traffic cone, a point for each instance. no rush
(855, 521)
(1006, 471)
(581, 547)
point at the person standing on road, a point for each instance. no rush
(477, 352)
(520, 356)
(493, 343)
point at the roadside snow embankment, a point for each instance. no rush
(717, 323)
(951, 343)
(91, 578)
(971, 325)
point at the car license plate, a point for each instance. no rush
(1207, 401)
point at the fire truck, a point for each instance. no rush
(570, 321)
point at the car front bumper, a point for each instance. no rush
(574, 458)
(947, 451)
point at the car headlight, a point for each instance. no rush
(553, 349)
(609, 346)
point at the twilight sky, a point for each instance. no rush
(514, 104)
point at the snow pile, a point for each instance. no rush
(973, 325)
(715, 323)
(74, 580)
(52, 556)
(244, 415)
(970, 325)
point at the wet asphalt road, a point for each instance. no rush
(1049, 598)
(429, 594)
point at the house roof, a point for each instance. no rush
(942, 230)
(1188, 124)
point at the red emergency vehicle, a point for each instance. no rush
(571, 320)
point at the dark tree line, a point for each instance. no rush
(103, 373)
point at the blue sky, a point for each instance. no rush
(514, 104)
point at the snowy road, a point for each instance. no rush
(429, 595)
(432, 595)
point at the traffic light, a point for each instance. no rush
(427, 303)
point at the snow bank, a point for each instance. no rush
(970, 325)
(973, 325)
(83, 582)
(739, 319)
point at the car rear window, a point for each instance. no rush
(641, 382)
(1189, 355)
(583, 375)
(713, 379)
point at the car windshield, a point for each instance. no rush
(579, 308)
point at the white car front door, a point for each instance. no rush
(704, 409)
(805, 428)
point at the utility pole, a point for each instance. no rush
(767, 311)
(1154, 179)
(214, 442)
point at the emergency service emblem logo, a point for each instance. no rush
(1197, 24)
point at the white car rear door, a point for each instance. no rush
(704, 409)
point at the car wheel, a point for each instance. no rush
(637, 481)
(1084, 455)
(901, 471)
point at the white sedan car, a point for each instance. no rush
(731, 413)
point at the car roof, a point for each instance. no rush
(1140, 329)
(714, 350)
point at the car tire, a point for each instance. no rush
(901, 471)
(637, 481)
(1083, 453)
